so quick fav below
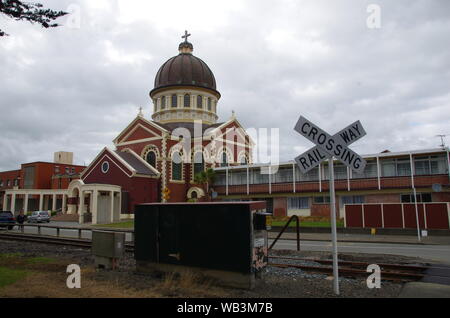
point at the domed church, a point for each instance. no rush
(156, 159)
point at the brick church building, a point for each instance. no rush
(165, 153)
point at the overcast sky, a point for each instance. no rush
(75, 89)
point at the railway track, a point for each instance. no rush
(391, 272)
(83, 243)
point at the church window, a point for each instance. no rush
(209, 104)
(176, 166)
(224, 162)
(174, 100)
(163, 102)
(199, 101)
(151, 158)
(199, 164)
(187, 100)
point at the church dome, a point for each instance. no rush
(185, 69)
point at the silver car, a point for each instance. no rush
(39, 216)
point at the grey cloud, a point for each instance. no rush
(64, 89)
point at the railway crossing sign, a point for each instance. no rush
(327, 147)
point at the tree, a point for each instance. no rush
(205, 177)
(31, 12)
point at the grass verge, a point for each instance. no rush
(123, 225)
(9, 276)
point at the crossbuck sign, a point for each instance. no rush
(327, 147)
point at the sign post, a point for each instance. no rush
(333, 228)
(328, 147)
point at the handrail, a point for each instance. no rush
(285, 227)
(58, 228)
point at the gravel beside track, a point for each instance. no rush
(277, 282)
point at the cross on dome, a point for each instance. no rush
(185, 36)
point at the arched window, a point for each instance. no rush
(187, 100)
(163, 102)
(174, 100)
(244, 160)
(209, 104)
(224, 162)
(194, 195)
(199, 163)
(151, 158)
(199, 101)
(176, 166)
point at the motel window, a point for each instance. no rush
(439, 164)
(388, 168)
(297, 203)
(421, 197)
(220, 179)
(238, 177)
(259, 177)
(369, 172)
(403, 167)
(430, 165)
(174, 100)
(187, 100)
(311, 175)
(177, 166)
(283, 175)
(322, 199)
(351, 199)
(340, 172)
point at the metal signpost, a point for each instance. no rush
(327, 147)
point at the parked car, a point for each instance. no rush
(39, 216)
(7, 217)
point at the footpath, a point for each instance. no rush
(365, 238)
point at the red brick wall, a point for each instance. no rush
(323, 209)
(9, 175)
(280, 206)
(141, 190)
(440, 197)
(382, 198)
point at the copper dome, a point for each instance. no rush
(185, 69)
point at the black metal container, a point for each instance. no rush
(224, 240)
